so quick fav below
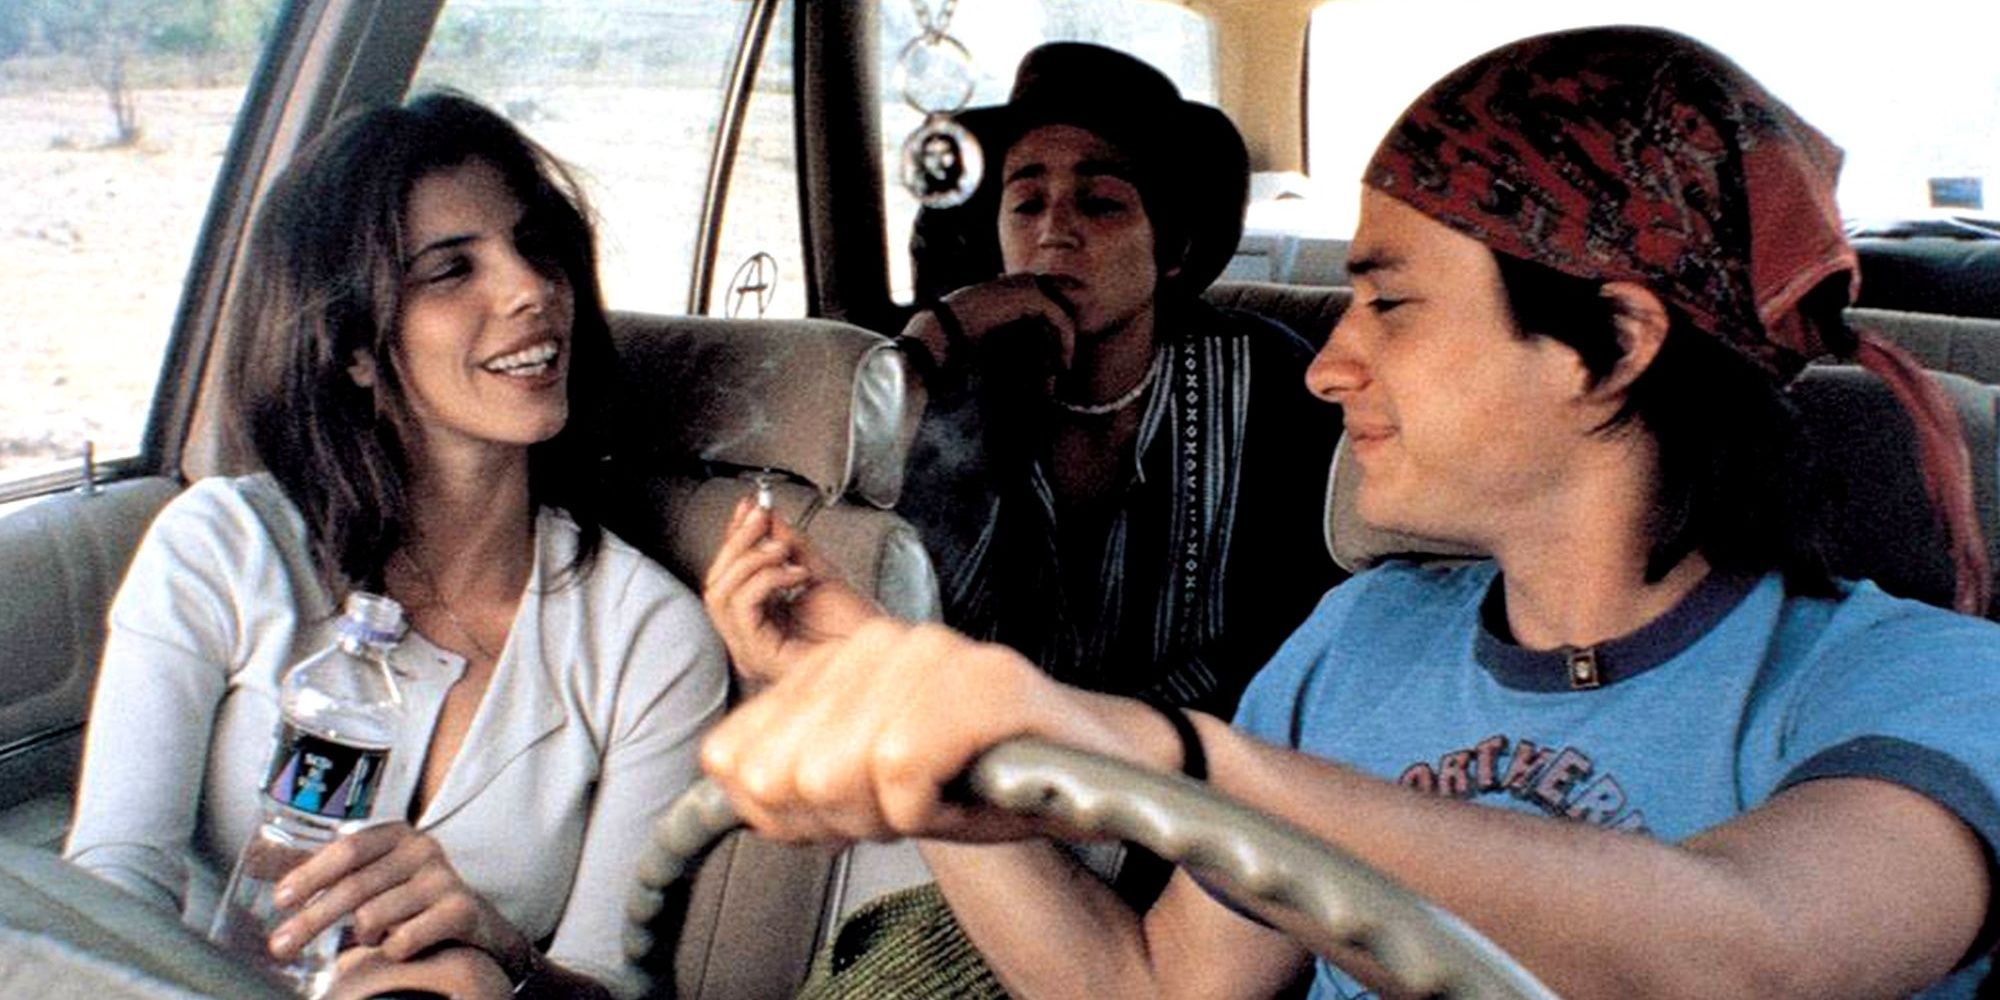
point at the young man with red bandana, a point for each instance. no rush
(1586, 265)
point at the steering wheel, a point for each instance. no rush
(1318, 893)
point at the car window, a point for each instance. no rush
(759, 266)
(1910, 90)
(113, 123)
(1164, 33)
(629, 94)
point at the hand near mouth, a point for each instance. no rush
(1035, 312)
(1057, 288)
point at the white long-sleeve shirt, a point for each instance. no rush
(588, 729)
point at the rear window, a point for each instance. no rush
(1911, 90)
(628, 93)
(1176, 40)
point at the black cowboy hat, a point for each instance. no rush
(1194, 171)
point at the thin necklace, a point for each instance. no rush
(437, 594)
(1127, 398)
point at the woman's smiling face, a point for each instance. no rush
(484, 334)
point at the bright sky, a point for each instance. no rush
(1910, 89)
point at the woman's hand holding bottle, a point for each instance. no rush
(403, 895)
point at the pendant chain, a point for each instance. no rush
(437, 595)
(934, 27)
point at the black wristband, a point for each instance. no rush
(524, 977)
(919, 355)
(1194, 760)
(944, 377)
(954, 333)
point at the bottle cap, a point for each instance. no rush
(372, 618)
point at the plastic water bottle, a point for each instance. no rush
(339, 713)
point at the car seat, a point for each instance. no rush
(823, 412)
(1937, 265)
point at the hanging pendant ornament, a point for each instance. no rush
(942, 162)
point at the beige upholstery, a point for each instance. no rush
(66, 933)
(48, 968)
(64, 557)
(1964, 345)
(827, 409)
(1310, 311)
(827, 402)
(878, 551)
(754, 920)
(1882, 526)
(824, 412)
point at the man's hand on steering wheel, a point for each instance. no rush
(865, 743)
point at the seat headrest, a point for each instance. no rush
(1309, 310)
(1882, 527)
(829, 403)
(1966, 345)
(679, 520)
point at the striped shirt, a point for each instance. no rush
(1213, 550)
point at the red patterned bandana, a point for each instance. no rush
(1636, 154)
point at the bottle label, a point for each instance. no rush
(319, 776)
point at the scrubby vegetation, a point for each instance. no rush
(121, 46)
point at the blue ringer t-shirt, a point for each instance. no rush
(1739, 692)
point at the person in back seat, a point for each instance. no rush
(1649, 747)
(417, 349)
(1114, 478)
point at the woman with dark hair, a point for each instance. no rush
(1648, 747)
(416, 351)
